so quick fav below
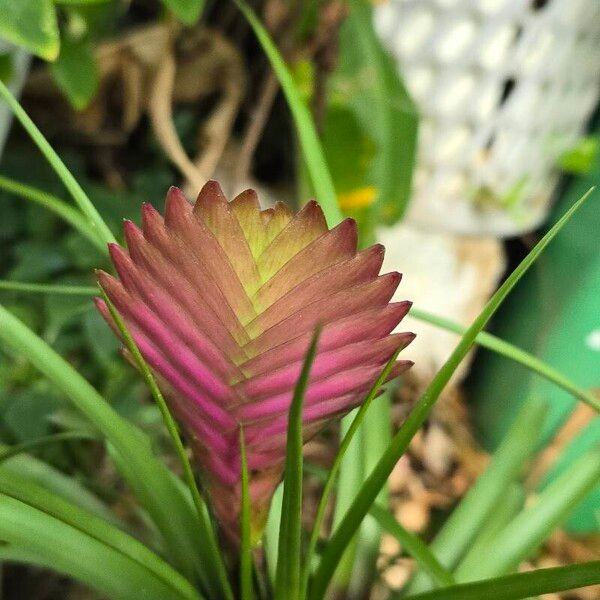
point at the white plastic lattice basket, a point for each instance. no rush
(504, 87)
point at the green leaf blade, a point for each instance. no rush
(307, 134)
(246, 588)
(368, 492)
(187, 11)
(520, 585)
(413, 546)
(75, 71)
(31, 24)
(288, 579)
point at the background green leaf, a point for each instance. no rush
(187, 11)
(76, 72)
(31, 24)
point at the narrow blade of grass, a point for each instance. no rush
(476, 507)
(7, 452)
(307, 133)
(39, 498)
(216, 570)
(57, 206)
(414, 546)
(246, 589)
(522, 536)
(368, 492)
(335, 467)
(70, 549)
(491, 342)
(100, 228)
(520, 585)
(152, 483)
(47, 288)
(287, 582)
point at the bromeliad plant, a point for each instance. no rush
(260, 327)
(222, 300)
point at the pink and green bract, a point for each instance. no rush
(222, 299)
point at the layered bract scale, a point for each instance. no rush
(222, 299)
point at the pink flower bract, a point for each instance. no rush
(222, 299)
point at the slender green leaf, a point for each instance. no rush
(307, 134)
(512, 502)
(81, 2)
(46, 476)
(7, 452)
(41, 499)
(287, 584)
(386, 110)
(149, 478)
(187, 11)
(413, 545)
(83, 556)
(335, 467)
(482, 499)
(46, 288)
(246, 588)
(522, 536)
(214, 568)
(368, 492)
(271, 536)
(76, 72)
(57, 206)
(31, 24)
(520, 585)
(491, 342)
(103, 233)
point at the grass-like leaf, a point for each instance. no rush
(307, 133)
(491, 342)
(47, 288)
(57, 206)
(413, 545)
(46, 476)
(368, 492)
(214, 568)
(151, 481)
(95, 221)
(289, 560)
(119, 572)
(335, 467)
(520, 585)
(480, 502)
(246, 588)
(39, 498)
(393, 115)
(7, 452)
(531, 527)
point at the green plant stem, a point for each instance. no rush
(368, 492)
(95, 221)
(208, 533)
